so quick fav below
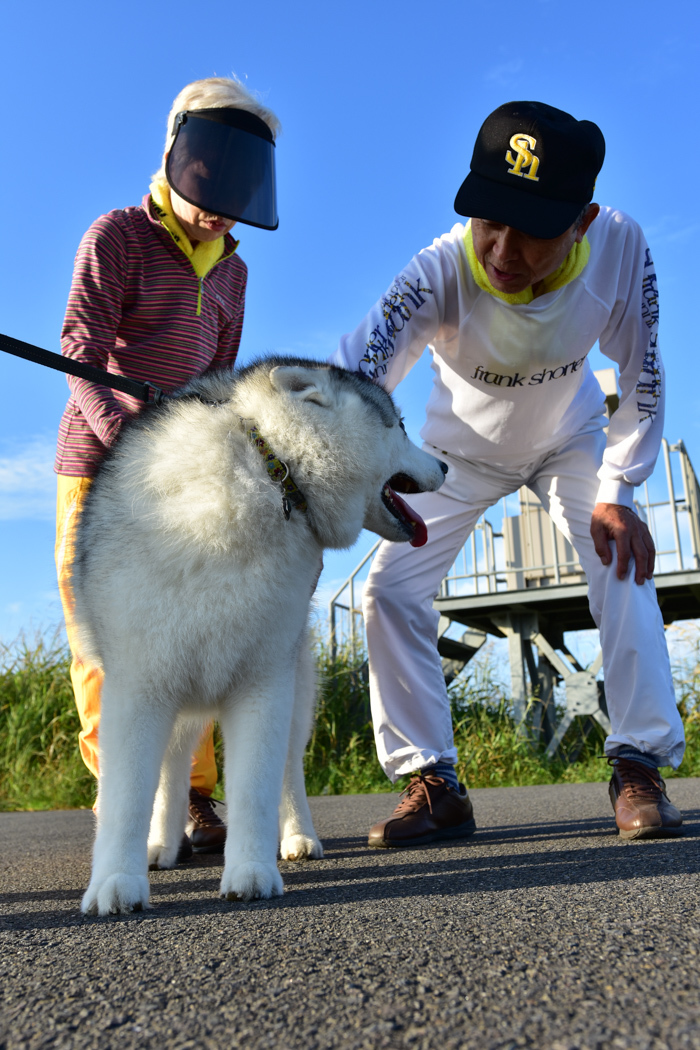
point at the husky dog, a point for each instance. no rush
(198, 549)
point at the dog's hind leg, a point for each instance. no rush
(133, 737)
(255, 726)
(298, 839)
(170, 807)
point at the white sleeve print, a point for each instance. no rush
(393, 335)
(636, 428)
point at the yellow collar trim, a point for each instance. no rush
(205, 254)
(572, 266)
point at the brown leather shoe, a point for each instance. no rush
(185, 851)
(642, 809)
(206, 830)
(428, 811)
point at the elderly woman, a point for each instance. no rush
(158, 295)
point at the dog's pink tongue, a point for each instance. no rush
(420, 534)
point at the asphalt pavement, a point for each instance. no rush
(544, 930)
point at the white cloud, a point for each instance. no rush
(27, 480)
(505, 73)
(328, 588)
(668, 229)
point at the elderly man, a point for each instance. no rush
(510, 306)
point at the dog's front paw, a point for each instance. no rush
(247, 882)
(116, 895)
(161, 856)
(301, 847)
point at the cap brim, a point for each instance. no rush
(482, 198)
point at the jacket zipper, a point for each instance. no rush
(200, 280)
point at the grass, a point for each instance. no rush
(494, 751)
(40, 765)
(41, 768)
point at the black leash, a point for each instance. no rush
(145, 392)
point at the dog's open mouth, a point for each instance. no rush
(401, 510)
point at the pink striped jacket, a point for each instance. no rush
(132, 309)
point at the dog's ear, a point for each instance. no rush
(303, 384)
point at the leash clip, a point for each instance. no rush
(159, 398)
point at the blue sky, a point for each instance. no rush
(380, 104)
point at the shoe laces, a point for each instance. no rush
(418, 793)
(637, 782)
(202, 810)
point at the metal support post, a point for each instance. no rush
(517, 627)
(672, 503)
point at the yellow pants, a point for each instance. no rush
(86, 679)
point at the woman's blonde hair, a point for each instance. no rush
(215, 93)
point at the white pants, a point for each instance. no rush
(410, 708)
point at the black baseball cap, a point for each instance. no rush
(534, 168)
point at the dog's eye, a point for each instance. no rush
(401, 425)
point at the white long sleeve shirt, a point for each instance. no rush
(512, 382)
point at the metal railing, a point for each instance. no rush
(488, 562)
(342, 618)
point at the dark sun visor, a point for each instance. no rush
(223, 161)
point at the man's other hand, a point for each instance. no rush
(612, 522)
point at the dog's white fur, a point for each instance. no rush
(192, 592)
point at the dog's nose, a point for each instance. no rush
(443, 466)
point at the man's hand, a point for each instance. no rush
(609, 522)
